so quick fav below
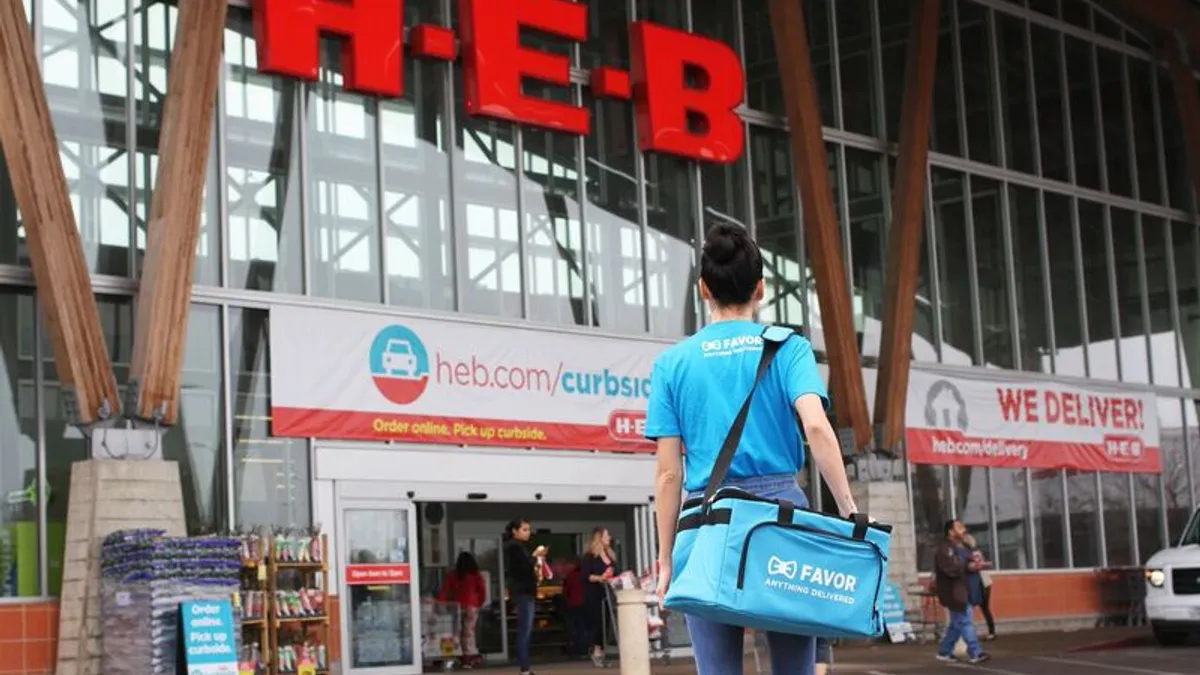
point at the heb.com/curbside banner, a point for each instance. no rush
(359, 376)
(988, 421)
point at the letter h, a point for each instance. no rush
(289, 40)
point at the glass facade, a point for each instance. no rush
(1057, 166)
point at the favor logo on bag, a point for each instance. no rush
(814, 581)
(775, 566)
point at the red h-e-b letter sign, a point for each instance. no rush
(673, 117)
(495, 63)
(686, 88)
(289, 40)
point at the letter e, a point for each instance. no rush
(495, 63)
(1031, 405)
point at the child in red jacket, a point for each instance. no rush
(465, 586)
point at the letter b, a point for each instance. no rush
(675, 117)
(289, 40)
(612, 385)
(479, 373)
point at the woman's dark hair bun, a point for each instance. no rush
(724, 241)
(731, 264)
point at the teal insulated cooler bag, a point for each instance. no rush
(767, 564)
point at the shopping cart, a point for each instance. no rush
(441, 633)
(656, 617)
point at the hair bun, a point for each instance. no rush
(723, 242)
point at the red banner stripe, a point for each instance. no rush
(1118, 454)
(367, 426)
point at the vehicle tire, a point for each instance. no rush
(1170, 638)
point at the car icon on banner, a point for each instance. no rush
(399, 359)
(399, 364)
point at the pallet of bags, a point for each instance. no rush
(144, 578)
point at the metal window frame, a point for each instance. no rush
(1005, 214)
(131, 155)
(696, 180)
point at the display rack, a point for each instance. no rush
(253, 602)
(298, 622)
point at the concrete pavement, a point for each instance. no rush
(1045, 653)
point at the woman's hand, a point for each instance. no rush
(608, 573)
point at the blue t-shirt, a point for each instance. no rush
(698, 386)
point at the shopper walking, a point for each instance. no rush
(523, 570)
(465, 586)
(824, 656)
(979, 584)
(599, 566)
(697, 388)
(576, 609)
(953, 562)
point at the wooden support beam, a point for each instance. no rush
(1187, 98)
(64, 287)
(165, 293)
(820, 217)
(1172, 17)
(908, 221)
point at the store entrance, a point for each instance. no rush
(477, 528)
(399, 517)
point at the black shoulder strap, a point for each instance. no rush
(773, 339)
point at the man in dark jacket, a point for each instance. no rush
(952, 562)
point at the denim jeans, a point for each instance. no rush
(718, 647)
(961, 626)
(524, 605)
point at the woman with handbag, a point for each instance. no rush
(599, 567)
(696, 402)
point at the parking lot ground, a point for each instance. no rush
(1102, 651)
(1124, 661)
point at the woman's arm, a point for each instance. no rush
(825, 451)
(668, 491)
(589, 568)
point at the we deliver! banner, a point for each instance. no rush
(987, 421)
(359, 376)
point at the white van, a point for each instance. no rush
(1173, 587)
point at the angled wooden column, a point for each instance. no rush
(908, 221)
(1172, 17)
(64, 287)
(820, 217)
(1187, 98)
(165, 294)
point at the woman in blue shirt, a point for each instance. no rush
(697, 387)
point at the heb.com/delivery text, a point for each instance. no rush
(476, 374)
(980, 447)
